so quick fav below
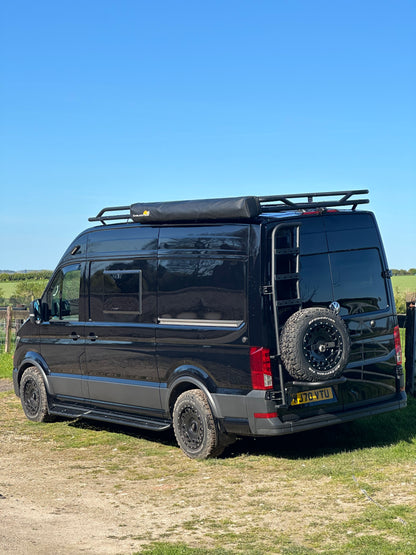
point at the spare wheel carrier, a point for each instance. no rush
(315, 345)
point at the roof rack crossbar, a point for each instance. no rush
(280, 203)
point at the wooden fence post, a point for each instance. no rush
(8, 340)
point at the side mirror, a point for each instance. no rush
(34, 312)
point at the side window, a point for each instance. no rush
(202, 289)
(121, 291)
(62, 297)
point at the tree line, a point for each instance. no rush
(411, 272)
(22, 276)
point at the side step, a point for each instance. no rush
(144, 422)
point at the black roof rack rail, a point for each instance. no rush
(229, 208)
(281, 203)
(100, 217)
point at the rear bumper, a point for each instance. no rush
(274, 426)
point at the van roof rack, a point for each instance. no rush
(240, 208)
(280, 203)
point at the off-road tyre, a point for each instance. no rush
(315, 345)
(195, 428)
(33, 396)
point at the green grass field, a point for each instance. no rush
(404, 284)
(7, 288)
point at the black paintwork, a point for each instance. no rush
(203, 302)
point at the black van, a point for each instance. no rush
(251, 316)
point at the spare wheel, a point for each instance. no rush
(315, 345)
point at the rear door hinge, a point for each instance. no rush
(267, 289)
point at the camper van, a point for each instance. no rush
(221, 318)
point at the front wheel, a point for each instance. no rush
(33, 396)
(194, 426)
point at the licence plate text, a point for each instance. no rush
(323, 395)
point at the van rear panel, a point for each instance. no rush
(342, 261)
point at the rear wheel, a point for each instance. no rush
(315, 345)
(194, 425)
(33, 395)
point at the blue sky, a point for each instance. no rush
(113, 102)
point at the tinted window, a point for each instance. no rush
(353, 278)
(202, 289)
(358, 282)
(315, 280)
(63, 294)
(351, 231)
(312, 235)
(229, 238)
(122, 240)
(120, 291)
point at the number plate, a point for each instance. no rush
(323, 395)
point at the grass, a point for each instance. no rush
(7, 288)
(6, 365)
(341, 490)
(404, 284)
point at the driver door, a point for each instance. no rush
(62, 333)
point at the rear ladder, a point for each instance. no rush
(285, 281)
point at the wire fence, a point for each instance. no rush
(10, 322)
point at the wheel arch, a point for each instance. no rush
(186, 378)
(33, 359)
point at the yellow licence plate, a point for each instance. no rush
(323, 395)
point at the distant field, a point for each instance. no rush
(7, 288)
(405, 284)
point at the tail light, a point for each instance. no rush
(398, 345)
(261, 372)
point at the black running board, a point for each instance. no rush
(144, 422)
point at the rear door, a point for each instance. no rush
(342, 260)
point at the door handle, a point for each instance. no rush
(74, 336)
(92, 336)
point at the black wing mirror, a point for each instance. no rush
(34, 312)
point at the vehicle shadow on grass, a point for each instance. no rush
(375, 431)
(165, 437)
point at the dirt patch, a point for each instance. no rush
(71, 487)
(6, 385)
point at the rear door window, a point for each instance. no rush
(358, 282)
(352, 278)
